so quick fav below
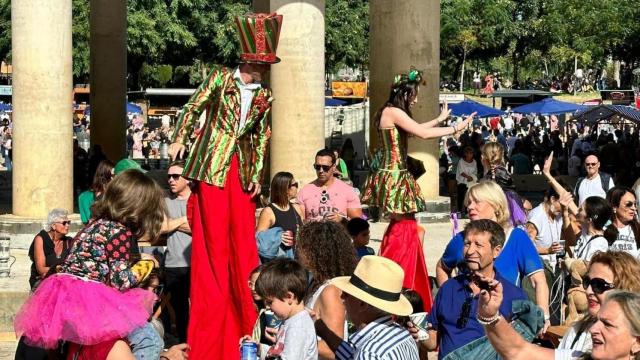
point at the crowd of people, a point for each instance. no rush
(302, 283)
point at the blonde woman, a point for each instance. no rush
(518, 258)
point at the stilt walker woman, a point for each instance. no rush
(393, 189)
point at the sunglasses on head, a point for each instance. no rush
(174, 176)
(324, 168)
(598, 285)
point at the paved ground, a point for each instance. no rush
(15, 288)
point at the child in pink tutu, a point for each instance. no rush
(91, 299)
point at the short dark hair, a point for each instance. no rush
(357, 225)
(329, 153)
(180, 163)
(489, 226)
(281, 276)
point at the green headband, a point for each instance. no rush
(413, 76)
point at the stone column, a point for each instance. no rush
(108, 68)
(298, 88)
(42, 111)
(402, 34)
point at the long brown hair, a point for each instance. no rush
(104, 173)
(134, 200)
(279, 191)
(402, 93)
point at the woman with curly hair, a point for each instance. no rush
(324, 248)
(393, 189)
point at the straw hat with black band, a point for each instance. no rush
(378, 282)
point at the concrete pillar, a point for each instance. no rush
(108, 72)
(402, 34)
(298, 88)
(42, 111)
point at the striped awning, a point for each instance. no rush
(598, 113)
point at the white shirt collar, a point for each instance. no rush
(251, 86)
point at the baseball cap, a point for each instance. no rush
(127, 164)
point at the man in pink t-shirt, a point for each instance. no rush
(327, 197)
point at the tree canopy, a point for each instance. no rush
(173, 42)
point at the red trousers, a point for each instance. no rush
(223, 254)
(402, 245)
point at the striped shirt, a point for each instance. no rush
(382, 339)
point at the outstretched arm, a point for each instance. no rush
(546, 171)
(402, 120)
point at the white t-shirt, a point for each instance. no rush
(626, 241)
(470, 169)
(508, 123)
(583, 344)
(567, 354)
(592, 187)
(296, 339)
(549, 230)
(588, 245)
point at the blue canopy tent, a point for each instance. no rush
(333, 102)
(467, 107)
(131, 108)
(548, 106)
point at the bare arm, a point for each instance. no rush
(402, 120)
(443, 273)
(546, 171)
(38, 256)
(539, 283)
(354, 213)
(331, 310)
(171, 225)
(265, 220)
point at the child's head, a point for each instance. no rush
(253, 277)
(282, 284)
(359, 230)
(415, 300)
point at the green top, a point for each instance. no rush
(85, 200)
(391, 187)
(342, 167)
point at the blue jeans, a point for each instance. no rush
(146, 343)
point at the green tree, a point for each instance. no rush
(346, 34)
(5, 29)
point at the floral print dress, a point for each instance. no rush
(103, 251)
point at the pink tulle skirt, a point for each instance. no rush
(66, 307)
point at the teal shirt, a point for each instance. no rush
(85, 200)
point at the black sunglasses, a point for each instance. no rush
(629, 204)
(464, 314)
(295, 184)
(174, 176)
(67, 222)
(598, 285)
(324, 168)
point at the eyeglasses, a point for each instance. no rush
(64, 223)
(464, 314)
(174, 176)
(324, 168)
(295, 184)
(630, 204)
(590, 164)
(598, 285)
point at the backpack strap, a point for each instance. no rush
(605, 179)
